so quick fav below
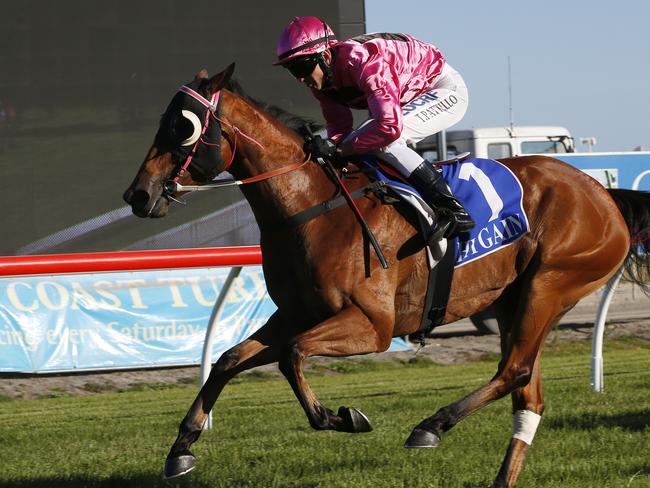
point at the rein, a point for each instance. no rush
(253, 179)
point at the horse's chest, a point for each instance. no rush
(298, 287)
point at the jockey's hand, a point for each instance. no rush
(338, 160)
(320, 148)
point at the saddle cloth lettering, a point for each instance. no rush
(493, 196)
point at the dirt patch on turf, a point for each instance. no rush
(440, 349)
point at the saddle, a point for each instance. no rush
(398, 189)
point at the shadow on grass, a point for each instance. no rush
(153, 481)
(632, 421)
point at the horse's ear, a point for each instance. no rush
(202, 75)
(218, 81)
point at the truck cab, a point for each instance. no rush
(501, 142)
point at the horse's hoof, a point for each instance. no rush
(179, 464)
(422, 438)
(355, 420)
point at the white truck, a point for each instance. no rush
(626, 169)
(504, 142)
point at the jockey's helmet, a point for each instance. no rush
(302, 37)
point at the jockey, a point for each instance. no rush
(409, 89)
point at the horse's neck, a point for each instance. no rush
(276, 198)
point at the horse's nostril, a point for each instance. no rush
(127, 195)
(139, 199)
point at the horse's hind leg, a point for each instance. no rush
(263, 347)
(543, 300)
(540, 308)
(348, 333)
(527, 409)
(515, 371)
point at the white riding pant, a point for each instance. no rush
(442, 106)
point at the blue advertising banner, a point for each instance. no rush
(125, 320)
(633, 168)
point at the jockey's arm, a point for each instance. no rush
(384, 126)
(379, 82)
(338, 118)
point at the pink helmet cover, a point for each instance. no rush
(304, 35)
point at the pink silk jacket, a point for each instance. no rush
(379, 72)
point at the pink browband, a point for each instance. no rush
(210, 104)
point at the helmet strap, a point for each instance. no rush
(326, 68)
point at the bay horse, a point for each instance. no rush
(327, 305)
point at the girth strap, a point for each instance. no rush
(438, 290)
(310, 213)
(437, 296)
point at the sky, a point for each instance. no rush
(580, 64)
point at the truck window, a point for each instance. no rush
(499, 150)
(542, 147)
(431, 153)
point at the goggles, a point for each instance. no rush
(302, 67)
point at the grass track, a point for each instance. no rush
(261, 437)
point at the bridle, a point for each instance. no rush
(212, 108)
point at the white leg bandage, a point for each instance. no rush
(524, 425)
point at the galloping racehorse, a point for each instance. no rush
(316, 272)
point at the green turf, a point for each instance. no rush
(261, 437)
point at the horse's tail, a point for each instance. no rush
(635, 207)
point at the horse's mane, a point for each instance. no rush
(290, 120)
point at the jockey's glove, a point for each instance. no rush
(320, 148)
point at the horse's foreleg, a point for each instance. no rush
(527, 409)
(347, 333)
(259, 349)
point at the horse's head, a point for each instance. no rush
(187, 148)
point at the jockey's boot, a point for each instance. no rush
(435, 192)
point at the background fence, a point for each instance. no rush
(133, 309)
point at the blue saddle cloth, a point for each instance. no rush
(492, 195)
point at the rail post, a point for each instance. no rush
(215, 317)
(597, 372)
(597, 379)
